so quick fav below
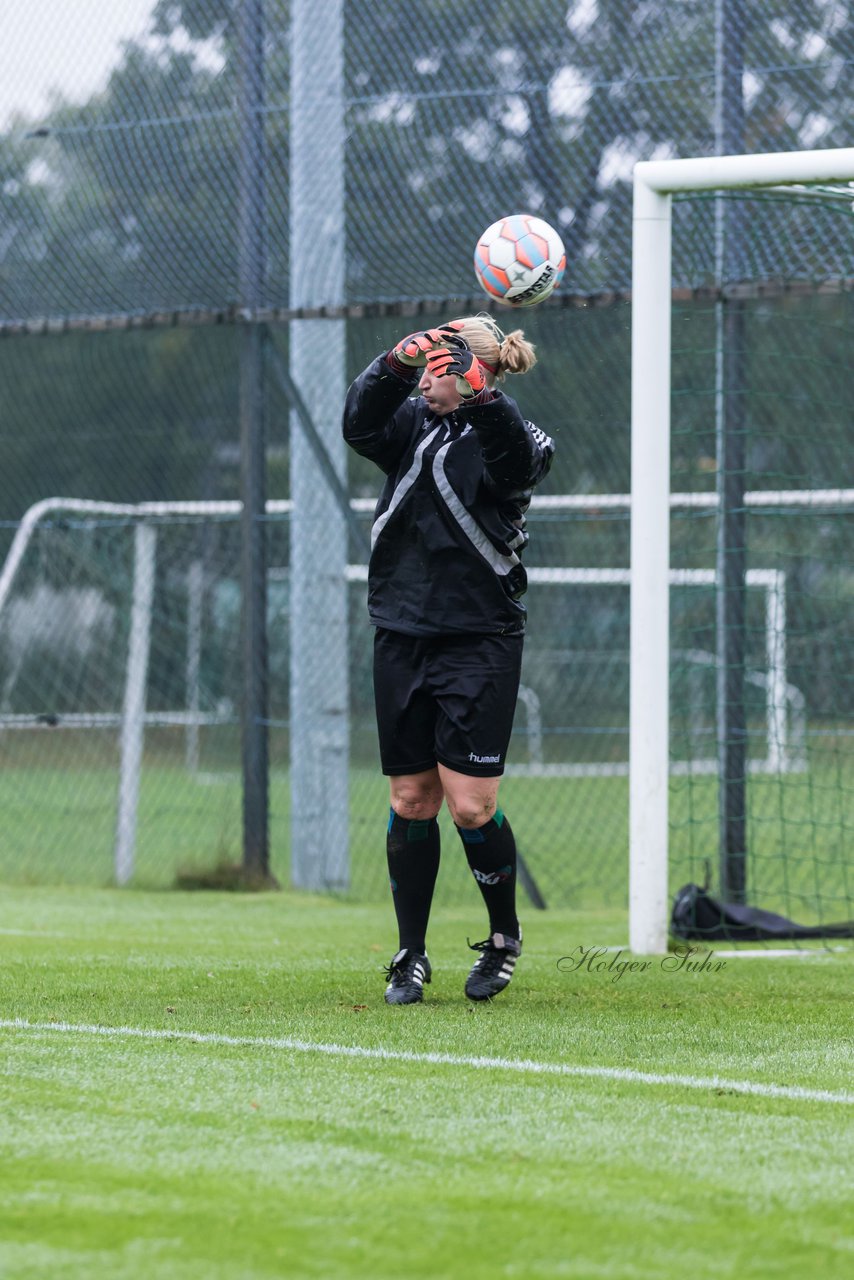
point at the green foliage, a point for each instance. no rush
(128, 203)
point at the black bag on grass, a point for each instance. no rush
(697, 915)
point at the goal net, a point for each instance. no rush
(742, 574)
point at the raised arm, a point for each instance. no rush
(516, 454)
(377, 416)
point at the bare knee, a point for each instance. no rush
(471, 801)
(474, 812)
(416, 796)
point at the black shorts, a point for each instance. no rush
(445, 699)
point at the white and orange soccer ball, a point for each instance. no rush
(519, 260)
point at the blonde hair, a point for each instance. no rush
(501, 353)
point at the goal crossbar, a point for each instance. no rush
(655, 183)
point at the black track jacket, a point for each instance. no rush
(449, 526)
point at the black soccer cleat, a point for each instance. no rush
(407, 974)
(493, 969)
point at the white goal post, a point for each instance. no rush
(655, 182)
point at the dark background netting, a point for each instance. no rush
(127, 203)
(119, 362)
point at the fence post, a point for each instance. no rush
(133, 711)
(319, 693)
(253, 557)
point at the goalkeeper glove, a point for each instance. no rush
(412, 350)
(462, 364)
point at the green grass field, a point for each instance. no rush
(58, 797)
(210, 1086)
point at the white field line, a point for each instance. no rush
(764, 953)
(287, 1044)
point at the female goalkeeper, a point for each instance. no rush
(444, 594)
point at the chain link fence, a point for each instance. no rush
(127, 202)
(121, 305)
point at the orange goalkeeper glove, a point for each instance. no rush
(412, 350)
(458, 362)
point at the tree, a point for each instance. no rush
(128, 203)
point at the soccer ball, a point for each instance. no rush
(519, 260)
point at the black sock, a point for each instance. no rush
(491, 854)
(412, 848)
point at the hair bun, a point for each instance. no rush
(517, 354)
(500, 353)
